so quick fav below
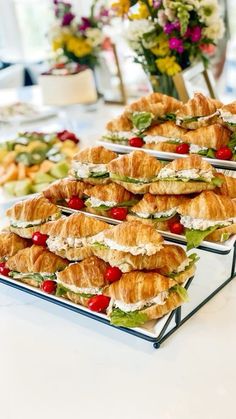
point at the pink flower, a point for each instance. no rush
(188, 32)
(176, 43)
(85, 24)
(196, 34)
(67, 19)
(168, 28)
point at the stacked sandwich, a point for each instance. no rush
(126, 270)
(158, 122)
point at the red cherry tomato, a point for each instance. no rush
(182, 148)
(49, 286)
(136, 142)
(98, 303)
(113, 274)
(39, 239)
(118, 213)
(67, 135)
(176, 228)
(76, 203)
(2, 264)
(224, 153)
(4, 271)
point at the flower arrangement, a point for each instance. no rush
(77, 41)
(169, 35)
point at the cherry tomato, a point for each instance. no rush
(49, 286)
(182, 148)
(136, 142)
(224, 153)
(2, 264)
(75, 203)
(118, 213)
(67, 135)
(39, 239)
(4, 271)
(176, 228)
(98, 303)
(113, 274)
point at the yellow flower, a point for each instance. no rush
(168, 65)
(78, 46)
(57, 43)
(121, 7)
(142, 12)
(162, 46)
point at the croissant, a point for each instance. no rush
(163, 146)
(172, 187)
(64, 189)
(155, 103)
(230, 108)
(121, 123)
(189, 163)
(95, 155)
(111, 192)
(168, 129)
(36, 259)
(10, 244)
(227, 116)
(222, 234)
(153, 204)
(157, 311)
(228, 187)
(209, 206)
(214, 136)
(137, 165)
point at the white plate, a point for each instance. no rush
(216, 247)
(41, 113)
(163, 155)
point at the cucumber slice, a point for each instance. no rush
(59, 170)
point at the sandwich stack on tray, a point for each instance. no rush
(125, 271)
(136, 186)
(202, 126)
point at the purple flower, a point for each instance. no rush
(104, 12)
(156, 4)
(85, 24)
(175, 43)
(188, 32)
(67, 19)
(168, 28)
(176, 25)
(196, 34)
(180, 49)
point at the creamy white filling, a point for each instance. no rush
(84, 170)
(228, 117)
(120, 134)
(149, 139)
(167, 213)
(189, 174)
(24, 224)
(183, 265)
(194, 148)
(159, 299)
(201, 224)
(58, 243)
(78, 290)
(95, 202)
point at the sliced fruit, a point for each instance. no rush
(60, 170)
(39, 187)
(43, 178)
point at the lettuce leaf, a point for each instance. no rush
(232, 142)
(224, 237)
(99, 245)
(194, 258)
(129, 179)
(103, 207)
(181, 291)
(129, 319)
(195, 237)
(115, 138)
(217, 181)
(101, 175)
(35, 276)
(142, 120)
(207, 153)
(61, 290)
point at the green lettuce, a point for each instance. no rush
(194, 258)
(216, 181)
(61, 290)
(115, 138)
(99, 174)
(207, 153)
(142, 120)
(151, 217)
(195, 237)
(36, 276)
(130, 179)
(181, 291)
(191, 119)
(224, 237)
(99, 245)
(106, 208)
(130, 319)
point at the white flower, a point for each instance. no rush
(215, 31)
(194, 3)
(162, 18)
(208, 11)
(95, 36)
(137, 28)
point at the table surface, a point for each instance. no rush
(57, 364)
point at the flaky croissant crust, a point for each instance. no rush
(153, 203)
(37, 208)
(121, 123)
(110, 192)
(10, 244)
(213, 136)
(199, 105)
(137, 164)
(167, 129)
(64, 189)
(95, 155)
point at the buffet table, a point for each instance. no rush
(56, 363)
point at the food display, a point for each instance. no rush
(33, 160)
(159, 123)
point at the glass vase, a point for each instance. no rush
(163, 84)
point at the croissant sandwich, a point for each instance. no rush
(171, 260)
(35, 264)
(184, 176)
(209, 216)
(228, 115)
(135, 171)
(206, 140)
(26, 217)
(81, 281)
(157, 210)
(200, 111)
(68, 236)
(129, 237)
(10, 244)
(164, 137)
(90, 165)
(119, 130)
(102, 198)
(228, 187)
(141, 296)
(60, 191)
